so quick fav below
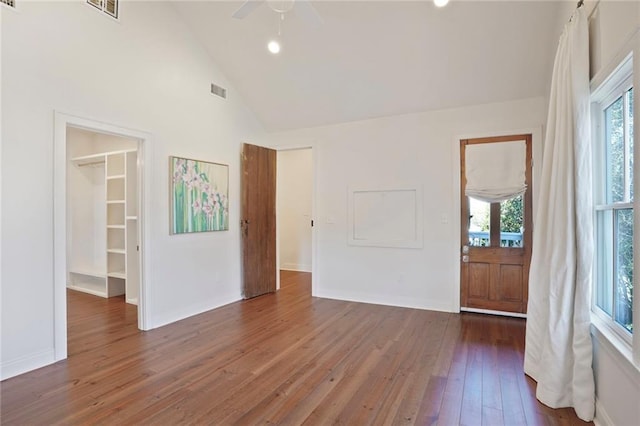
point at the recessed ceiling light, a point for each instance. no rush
(440, 3)
(274, 47)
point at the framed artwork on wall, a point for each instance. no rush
(199, 196)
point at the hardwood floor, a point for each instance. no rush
(284, 358)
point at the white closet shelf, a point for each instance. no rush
(118, 251)
(115, 177)
(86, 160)
(88, 272)
(117, 274)
(132, 217)
(115, 201)
(115, 226)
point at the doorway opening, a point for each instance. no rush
(99, 262)
(294, 214)
(495, 224)
(277, 217)
(103, 249)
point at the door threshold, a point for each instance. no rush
(491, 312)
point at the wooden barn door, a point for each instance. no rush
(258, 220)
(494, 262)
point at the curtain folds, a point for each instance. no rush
(558, 350)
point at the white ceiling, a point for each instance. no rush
(379, 58)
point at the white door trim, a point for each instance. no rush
(62, 121)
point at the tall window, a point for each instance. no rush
(613, 154)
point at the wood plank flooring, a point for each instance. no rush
(284, 358)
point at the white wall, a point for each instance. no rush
(86, 215)
(612, 25)
(410, 148)
(144, 72)
(104, 143)
(613, 34)
(617, 385)
(295, 188)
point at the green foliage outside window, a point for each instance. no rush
(511, 216)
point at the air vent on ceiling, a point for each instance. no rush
(110, 7)
(219, 91)
(10, 3)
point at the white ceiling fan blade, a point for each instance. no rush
(248, 7)
(306, 11)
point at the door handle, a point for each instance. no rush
(465, 259)
(465, 249)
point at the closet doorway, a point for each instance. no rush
(103, 257)
(98, 216)
(295, 177)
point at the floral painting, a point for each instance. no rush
(199, 196)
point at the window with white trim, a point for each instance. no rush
(110, 7)
(613, 198)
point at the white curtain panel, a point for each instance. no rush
(558, 350)
(495, 172)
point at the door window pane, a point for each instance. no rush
(512, 222)
(624, 268)
(479, 220)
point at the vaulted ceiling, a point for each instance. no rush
(378, 58)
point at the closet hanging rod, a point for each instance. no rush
(99, 158)
(90, 163)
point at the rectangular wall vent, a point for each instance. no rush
(10, 3)
(219, 91)
(110, 7)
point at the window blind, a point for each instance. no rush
(495, 172)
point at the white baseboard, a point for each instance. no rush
(171, 317)
(296, 267)
(386, 300)
(26, 363)
(602, 418)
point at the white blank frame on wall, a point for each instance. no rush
(388, 216)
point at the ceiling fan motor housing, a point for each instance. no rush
(281, 6)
